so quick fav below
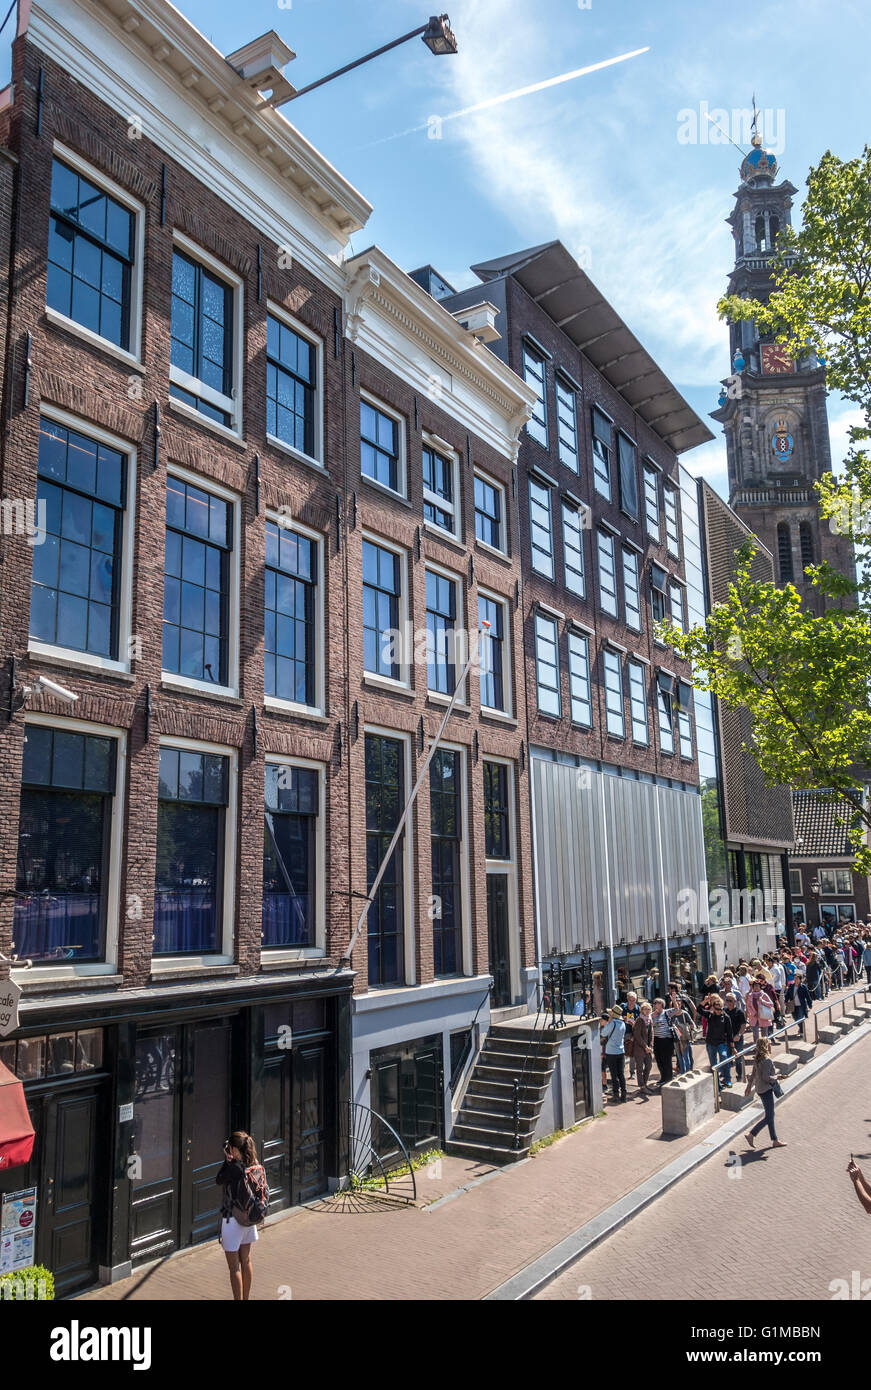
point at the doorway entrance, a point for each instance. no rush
(498, 940)
(72, 1184)
(181, 1115)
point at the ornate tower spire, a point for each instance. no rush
(773, 408)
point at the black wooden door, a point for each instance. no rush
(181, 1119)
(75, 1165)
(498, 940)
(309, 1121)
(205, 1124)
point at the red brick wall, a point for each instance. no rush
(97, 387)
(525, 317)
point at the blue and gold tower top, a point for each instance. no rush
(760, 165)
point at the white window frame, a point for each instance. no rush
(652, 520)
(657, 641)
(602, 484)
(579, 652)
(638, 703)
(844, 892)
(71, 656)
(303, 330)
(169, 678)
(405, 653)
(503, 524)
(318, 709)
(609, 656)
(162, 965)
(546, 488)
(672, 531)
(826, 876)
(290, 953)
(440, 446)
(507, 670)
(460, 628)
(109, 965)
(508, 867)
(605, 537)
(566, 391)
(675, 591)
(541, 618)
(132, 354)
(465, 855)
(576, 517)
(531, 350)
(663, 709)
(685, 724)
(402, 444)
(631, 589)
(232, 404)
(408, 860)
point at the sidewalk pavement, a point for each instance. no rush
(473, 1229)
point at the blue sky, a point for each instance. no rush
(596, 161)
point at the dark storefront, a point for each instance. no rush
(407, 1090)
(131, 1100)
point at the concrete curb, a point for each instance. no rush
(534, 1276)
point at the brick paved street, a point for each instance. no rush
(810, 1221)
(466, 1245)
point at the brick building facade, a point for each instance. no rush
(188, 350)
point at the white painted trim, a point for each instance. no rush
(133, 352)
(320, 876)
(318, 709)
(114, 64)
(501, 489)
(116, 846)
(406, 657)
(509, 868)
(232, 403)
(465, 855)
(128, 538)
(318, 344)
(408, 858)
(228, 912)
(507, 663)
(438, 446)
(402, 458)
(59, 320)
(460, 658)
(233, 607)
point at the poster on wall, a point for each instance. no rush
(17, 1230)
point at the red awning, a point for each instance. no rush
(16, 1131)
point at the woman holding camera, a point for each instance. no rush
(237, 1239)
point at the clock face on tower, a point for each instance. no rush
(776, 359)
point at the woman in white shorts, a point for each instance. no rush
(236, 1240)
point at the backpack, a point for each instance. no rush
(252, 1208)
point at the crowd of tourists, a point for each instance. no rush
(744, 1005)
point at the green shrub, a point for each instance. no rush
(34, 1282)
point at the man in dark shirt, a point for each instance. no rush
(738, 1019)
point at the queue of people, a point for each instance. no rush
(744, 1005)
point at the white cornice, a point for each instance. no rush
(390, 316)
(269, 171)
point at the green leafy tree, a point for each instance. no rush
(804, 678)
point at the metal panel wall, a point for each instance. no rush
(614, 858)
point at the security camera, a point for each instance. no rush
(60, 692)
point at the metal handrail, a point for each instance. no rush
(827, 1009)
(736, 1056)
(467, 1051)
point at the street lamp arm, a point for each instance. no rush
(436, 28)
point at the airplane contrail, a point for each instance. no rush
(513, 96)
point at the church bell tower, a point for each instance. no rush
(773, 407)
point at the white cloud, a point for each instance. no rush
(571, 166)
